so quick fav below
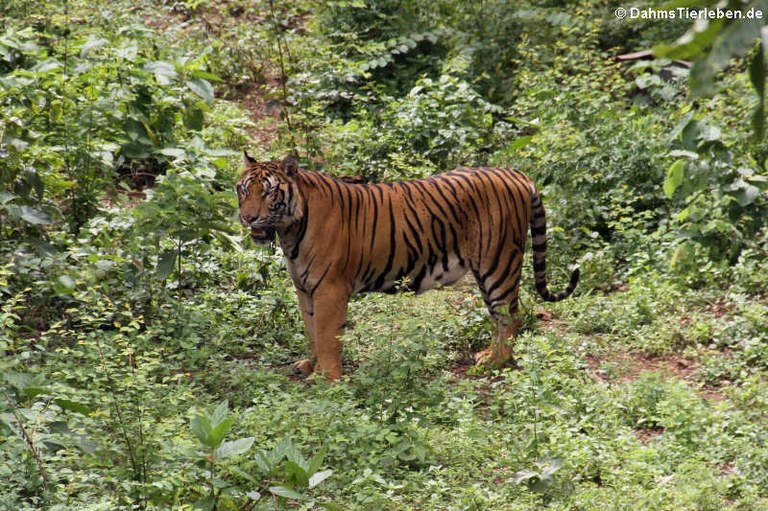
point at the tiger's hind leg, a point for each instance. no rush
(500, 290)
(501, 350)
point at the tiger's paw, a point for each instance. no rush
(304, 366)
(330, 373)
(484, 358)
(491, 358)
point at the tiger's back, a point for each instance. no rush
(414, 235)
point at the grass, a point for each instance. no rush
(620, 414)
(649, 396)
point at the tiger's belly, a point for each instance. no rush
(420, 279)
(439, 275)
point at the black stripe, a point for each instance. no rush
(415, 232)
(419, 278)
(375, 207)
(448, 202)
(320, 280)
(392, 246)
(505, 274)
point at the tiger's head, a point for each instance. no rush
(268, 197)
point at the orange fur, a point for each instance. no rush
(341, 238)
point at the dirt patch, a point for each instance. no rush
(264, 111)
(720, 309)
(459, 370)
(646, 436)
(261, 95)
(628, 366)
(549, 321)
(712, 394)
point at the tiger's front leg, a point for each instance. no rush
(330, 307)
(306, 365)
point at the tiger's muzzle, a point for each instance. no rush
(262, 235)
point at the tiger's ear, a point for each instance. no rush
(290, 166)
(247, 160)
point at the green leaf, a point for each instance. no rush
(194, 118)
(245, 475)
(34, 216)
(234, 448)
(293, 454)
(735, 39)
(690, 44)
(93, 43)
(747, 194)
(264, 461)
(288, 493)
(207, 76)
(219, 413)
(647, 81)
(229, 241)
(253, 495)
(165, 264)
(692, 134)
(202, 88)
(64, 285)
(37, 183)
(520, 143)
(173, 152)
(48, 65)
(219, 431)
(33, 391)
(201, 427)
(523, 476)
(681, 125)
(205, 504)
(164, 72)
(298, 473)
(319, 477)
(73, 406)
(764, 43)
(549, 467)
(675, 177)
(6, 197)
(316, 462)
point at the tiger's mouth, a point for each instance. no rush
(262, 235)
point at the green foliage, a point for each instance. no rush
(185, 209)
(714, 46)
(83, 110)
(283, 464)
(724, 203)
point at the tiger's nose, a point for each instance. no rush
(248, 219)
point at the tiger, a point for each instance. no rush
(339, 239)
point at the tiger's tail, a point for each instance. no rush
(539, 235)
